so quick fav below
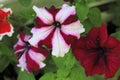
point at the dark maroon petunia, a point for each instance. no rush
(98, 53)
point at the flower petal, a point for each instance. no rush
(31, 64)
(43, 14)
(59, 46)
(22, 62)
(18, 48)
(73, 29)
(113, 66)
(6, 29)
(39, 34)
(34, 61)
(64, 13)
(103, 35)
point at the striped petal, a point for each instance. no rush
(64, 13)
(43, 14)
(59, 45)
(39, 34)
(73, 29)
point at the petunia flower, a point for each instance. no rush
(5, 27)
(98, 53)
(30, 57)
(56, 28)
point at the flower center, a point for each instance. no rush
(27, 45)
(102, 50)
(57, 24)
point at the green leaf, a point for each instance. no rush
(115, 10)
(82, 10)
(63, 73)
(78, 73)
(116, 35)
(95, 16)
(87, 25)
(99, 77)
(8, 52)
(48, 76)
(4, 62)
(25, 2)
(23, 75)
(67, 61)
(28, 14)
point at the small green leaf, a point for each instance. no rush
(116, 35)
(23, 75)
(95, 16)
(25, 2)
(48, 76)
(82, 10)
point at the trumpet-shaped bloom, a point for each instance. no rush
(5, 27)
(56, 28)
(30, 57)
(98, 53)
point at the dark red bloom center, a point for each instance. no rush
(101, 50)
(57, 24)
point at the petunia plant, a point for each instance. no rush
(59, 40)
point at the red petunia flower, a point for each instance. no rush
(98, 53)
(56, 28)
(30, 57)
(5, 27)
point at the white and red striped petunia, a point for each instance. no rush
(56, 28)
(30, 57)
(5, 27)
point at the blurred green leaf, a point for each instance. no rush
(28, 14)
(4, 62)
(116, 35)
(48, 76)
(25, 2)
(91, 1)
(82, 10)
(87, 25)
(99, 77)
(23, 75)
(8, 52)
(95, 16)
(115, 10)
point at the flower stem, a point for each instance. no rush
(98, 3)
